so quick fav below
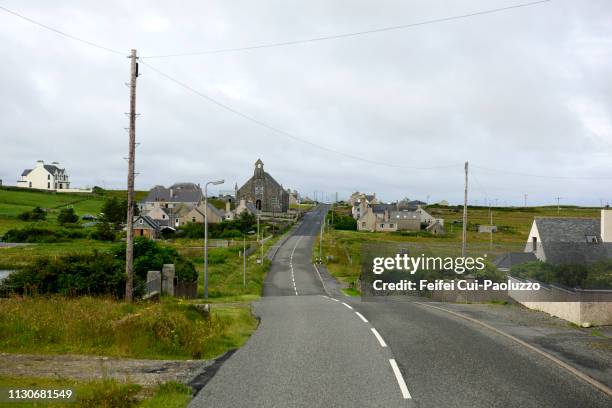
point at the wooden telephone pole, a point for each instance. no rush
(129, 247)
(465, 201)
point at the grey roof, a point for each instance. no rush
(404, 215)
(26, 172)
(53, 169)
(567, 229)
(176, 193)
(410, 205)
(564, 240)
(508, 260)
(370, 197)
(153, 224)
(380, 208)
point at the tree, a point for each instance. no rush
(67, 216)
(104, 232)
(37, 214)
(114, 210)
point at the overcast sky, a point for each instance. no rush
(526, 91)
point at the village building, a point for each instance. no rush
(196, 214)
(386, 217)
(43, 176)
(264, 192)
(180, 193)
(567, 240)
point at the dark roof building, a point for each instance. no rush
(567, 240)
(185, 193)
(264, 191)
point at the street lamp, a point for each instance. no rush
(214, 183)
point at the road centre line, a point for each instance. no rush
(379, 337)
(361, 317)
(291, 264)
(347, 305)
(400, 379)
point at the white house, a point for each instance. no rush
(45, 177)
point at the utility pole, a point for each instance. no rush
(558, 204)
(525, 200)
(244, 261)
(465, 201)
(321, 240)
(129, 240)
(491, 231)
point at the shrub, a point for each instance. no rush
(42, 235)
(344, 222)
(75, 274)
(593, 276)
(37, 214)
(104, 232)
(67, 215)
(151, 256)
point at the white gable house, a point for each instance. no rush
(45, 177)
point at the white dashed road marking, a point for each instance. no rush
(347, 305)
(400, 379)
(379, 338)
(361, 317)
(291, 264)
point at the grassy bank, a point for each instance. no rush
(167, 330)
(103, 393)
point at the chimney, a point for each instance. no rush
(40, 163)
(56, 164)
(171, 193)
(606, 225)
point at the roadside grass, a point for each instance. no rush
(106, 393)
(351, 292)
(172, 329)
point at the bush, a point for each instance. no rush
(67, 216)
(592, 276)
(37, 214)
(104, 232)
(42, 235)
(151, 256)
(344, 222)
(75, 274)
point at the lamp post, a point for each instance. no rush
(214, 183)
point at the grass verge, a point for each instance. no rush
(102, 393)
(97, 326)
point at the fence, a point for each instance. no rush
(186, 290)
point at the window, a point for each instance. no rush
(382, 225)
(48, 177)
(140, 221)
(163, 216)
(363, 224)
(592, 239)
(534, 243)
(192, 219)
(390, 225)
(48, 185)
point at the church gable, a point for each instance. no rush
(264, 191)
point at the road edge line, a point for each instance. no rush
(600, 386)
(320, 278)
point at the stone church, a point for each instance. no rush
(264, 192)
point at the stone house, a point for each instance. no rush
(386, 217)
(264, 191)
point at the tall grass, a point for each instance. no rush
(88, 325)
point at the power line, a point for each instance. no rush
(284, 133)
(543, 176)
(352, 34)
(56, 31)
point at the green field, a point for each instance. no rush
(15, 201)
(513, 227)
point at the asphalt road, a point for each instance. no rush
(312, 350)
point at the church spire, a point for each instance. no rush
(259, 168)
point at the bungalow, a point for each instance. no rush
(196, 214)
(386, 217)
(568, 240)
